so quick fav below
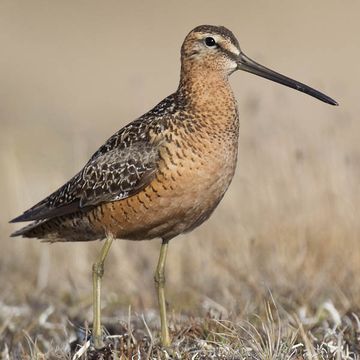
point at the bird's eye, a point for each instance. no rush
(210, 42)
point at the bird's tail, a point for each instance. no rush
(38, 229)
(62, 228)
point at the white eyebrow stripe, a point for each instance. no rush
(232, 48)
(219, 39)
(227, 44)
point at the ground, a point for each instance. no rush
(49, 333)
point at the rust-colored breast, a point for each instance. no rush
(195, 167)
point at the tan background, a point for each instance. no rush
(74, 72)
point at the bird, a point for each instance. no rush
(164, 173)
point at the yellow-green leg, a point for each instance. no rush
(160, 286)
(97, 274)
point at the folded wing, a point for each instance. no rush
(113, 173)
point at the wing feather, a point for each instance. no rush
(110, 176)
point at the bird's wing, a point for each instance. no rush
(105, 178)
(121, 167)
(113, 173)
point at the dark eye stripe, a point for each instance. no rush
(230, 54)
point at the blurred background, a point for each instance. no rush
(73, 73)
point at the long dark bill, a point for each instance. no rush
(246, 64)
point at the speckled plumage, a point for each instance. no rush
(159, 176)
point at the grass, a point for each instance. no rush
(272, 334)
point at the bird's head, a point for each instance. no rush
(209, 48)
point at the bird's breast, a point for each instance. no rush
(195, 167)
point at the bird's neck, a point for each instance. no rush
(206, 90)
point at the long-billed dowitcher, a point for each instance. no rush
(164, 173)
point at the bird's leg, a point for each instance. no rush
(160, 286)
(97, 274)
